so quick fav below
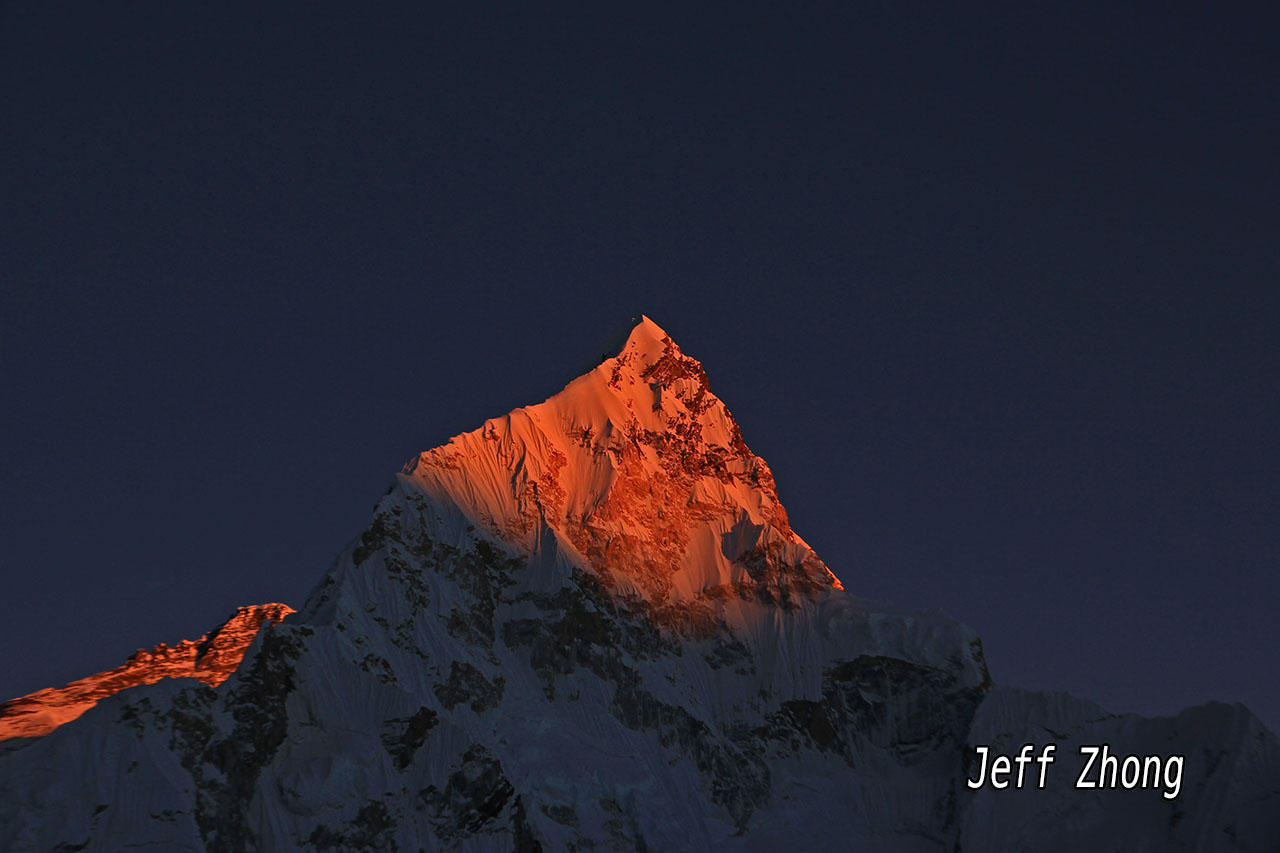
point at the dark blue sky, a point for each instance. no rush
(993, 290)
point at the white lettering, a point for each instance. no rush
(1023, 759)
(1092, 751)
(1130, 771)
(1045, 759)
(1174, 785)
(1000, 765)
(983, 752)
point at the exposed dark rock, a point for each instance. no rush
(561, 813)
(908, 709)
(526, 840)
(467, 684)
(257, 705)
(379, 667)
(475, 795)
(373, 828)
(731, 652)
(401, 736)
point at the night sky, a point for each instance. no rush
(994, 291)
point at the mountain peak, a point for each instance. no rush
(646, 338)
(638, 328)
(640, 475)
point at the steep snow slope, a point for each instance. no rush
(211, 659)
(589, 625)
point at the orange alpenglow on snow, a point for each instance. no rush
(638, 468)
(212, 658)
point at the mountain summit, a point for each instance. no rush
(637, 470)
(589, 624)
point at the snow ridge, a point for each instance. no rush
(211, 659)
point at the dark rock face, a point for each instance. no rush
(475, 795)
(372, 828)
(257, 706)
(466, 684)
(402, 736)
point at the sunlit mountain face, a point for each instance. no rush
(590, 624)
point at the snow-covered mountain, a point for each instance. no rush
(589, 625)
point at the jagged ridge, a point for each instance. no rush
(211, 659)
